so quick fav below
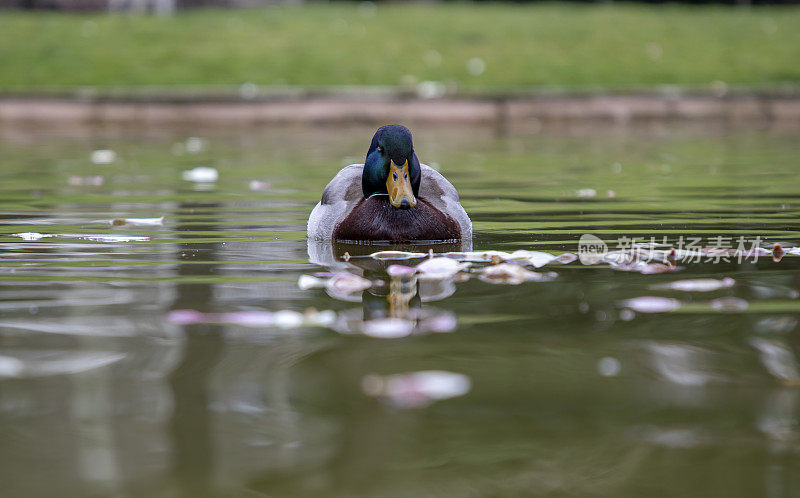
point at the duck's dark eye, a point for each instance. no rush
(395, 176)
(380, 149)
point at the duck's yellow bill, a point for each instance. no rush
(398, 185)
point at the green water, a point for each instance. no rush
(570, 395)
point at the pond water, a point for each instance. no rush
(559, 385)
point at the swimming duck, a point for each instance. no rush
(392, 198)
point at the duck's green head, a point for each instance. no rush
(392, 167)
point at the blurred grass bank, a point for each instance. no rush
(459, 47)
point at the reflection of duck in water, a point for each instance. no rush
(392, 197)
(399, 299)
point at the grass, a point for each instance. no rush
(396, 44)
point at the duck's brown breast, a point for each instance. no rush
(375, 219)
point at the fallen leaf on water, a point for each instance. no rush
(777, 253)
(651, 304)
(513, 274)
(416, 389)
(698, 284)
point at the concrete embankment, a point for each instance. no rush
(762, 109)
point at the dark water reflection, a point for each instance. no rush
(102, 395)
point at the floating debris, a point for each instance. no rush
(396, 255)
(416, 389)
(651, 304)
(30, 236)
(608, 367)
(92, 180)
(441, 323)
(476, 66)
(194, 145)
(138, 221)
(347, 283)
(201, 174)
(779, 360)
(537, 259)
(728, 304)
(440, 268)
(259, 186)
(586, 193)
(513, 274)
(681, 364)
(10, 367)
(479, 256)
(388, 328)
(285, 319)
(698, 284)
(400, 270)
(777, 253)
(103, 156)
(306, 282)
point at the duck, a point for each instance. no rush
(391, 198)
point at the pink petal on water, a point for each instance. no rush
(651, 304)
(484, 256)
(396, 255)
(248, 318)
(306, 282)
(416, 389)
(388, 328)
(699, 284)
(400, 270)
(511, 273)
(566, 258)
(347, 283)
(537, 259)
(257, 185)
(185, 317)
(446, 322)
(440, 268)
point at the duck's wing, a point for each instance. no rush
(338, 199)
(443, 196)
